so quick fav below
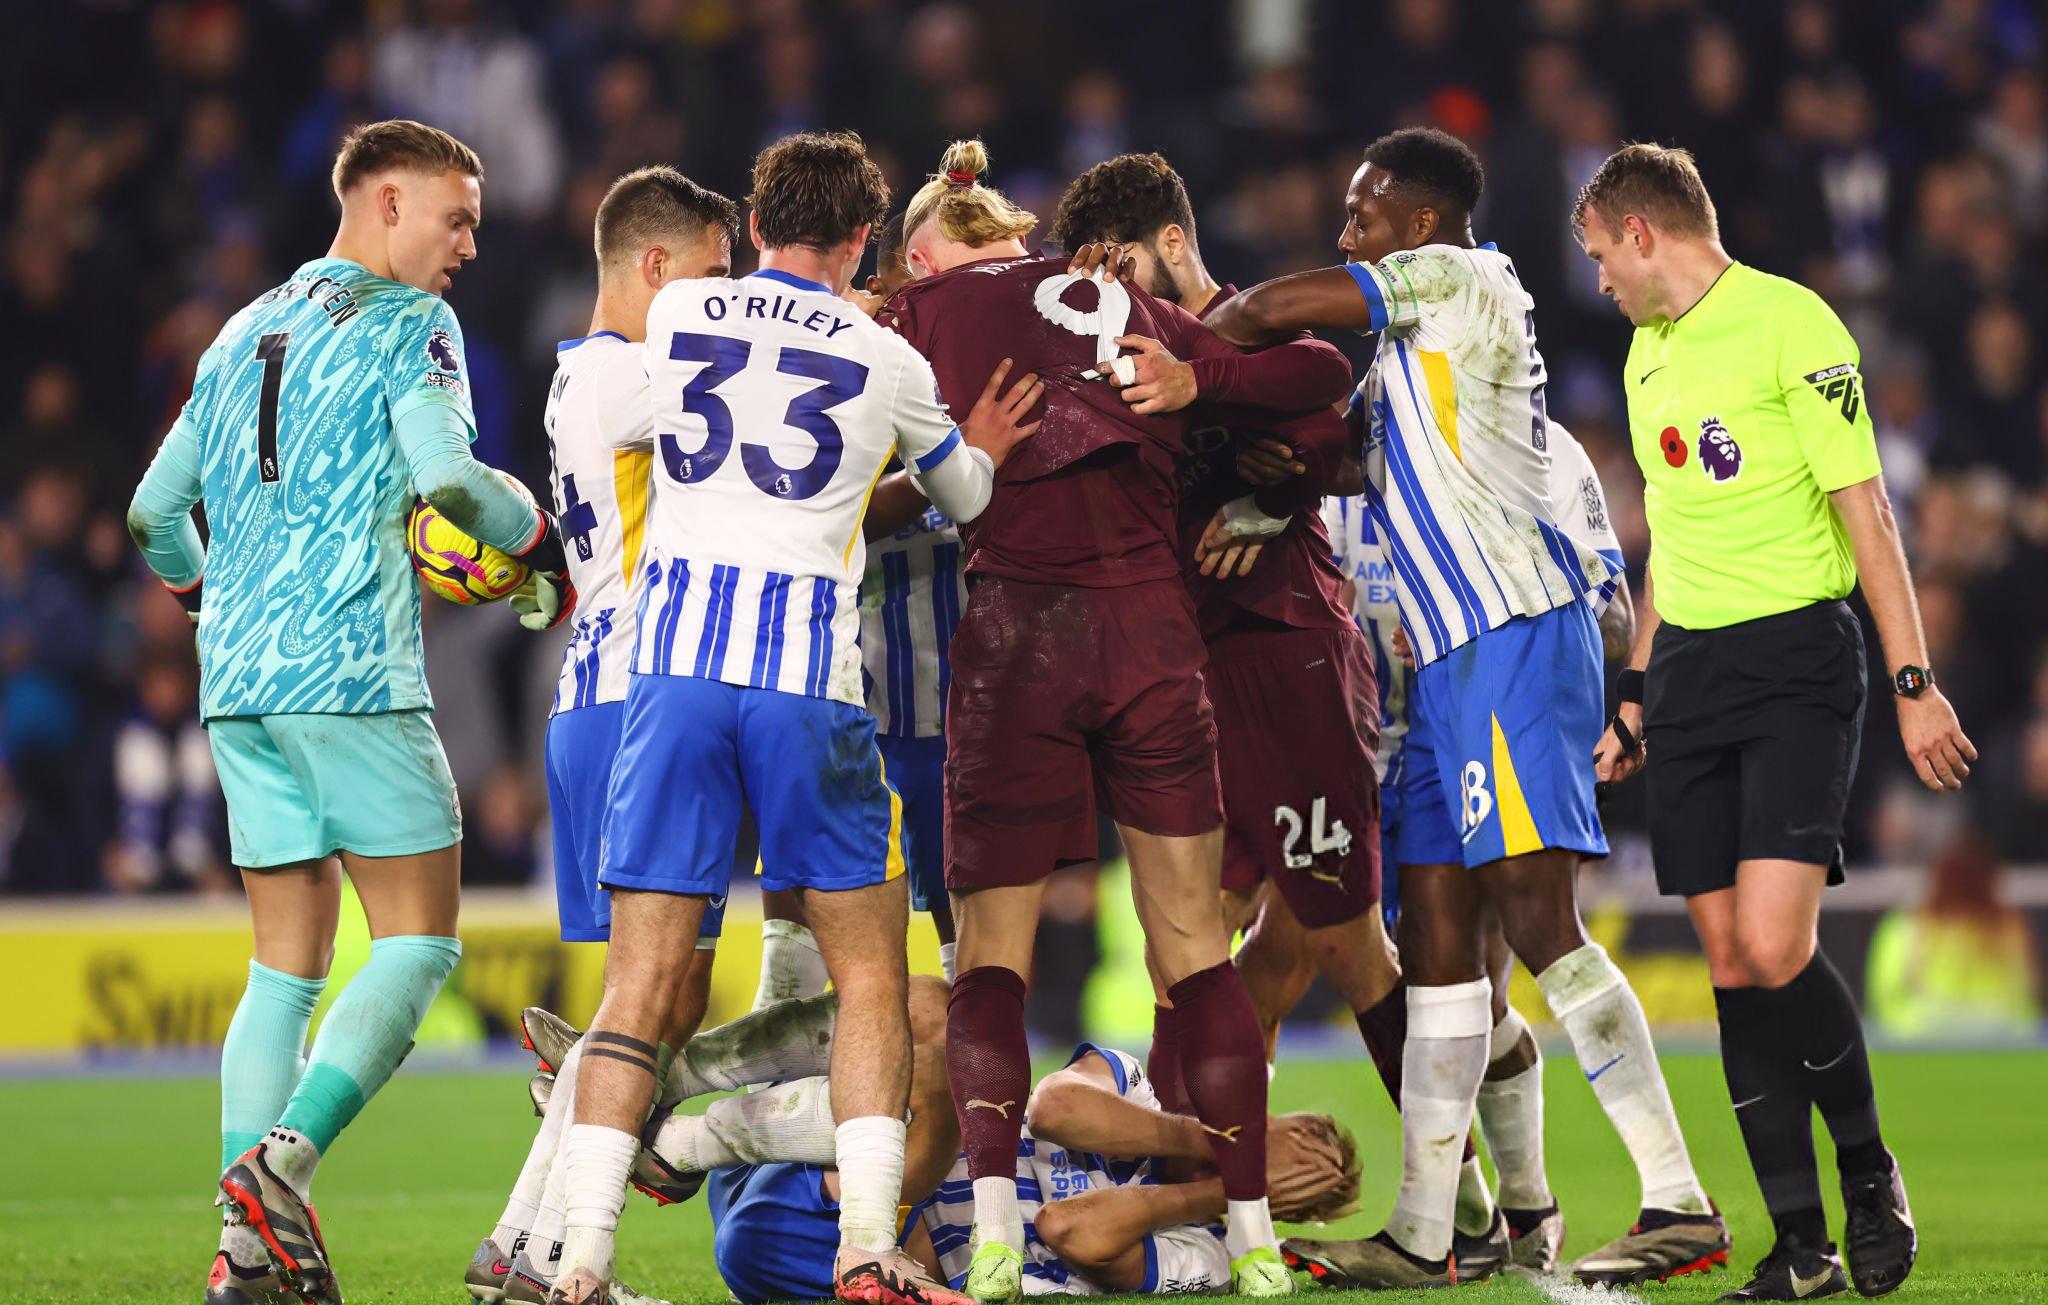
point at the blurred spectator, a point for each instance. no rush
(163, 161)
(170, 820)
(1961, 965)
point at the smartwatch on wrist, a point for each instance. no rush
(1912, 681)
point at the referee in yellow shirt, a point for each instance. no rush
(1745, 690)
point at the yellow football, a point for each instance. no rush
(456, 567)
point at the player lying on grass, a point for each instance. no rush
(1117, 1194)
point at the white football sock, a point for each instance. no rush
(870, 1150)
(292, 1156)
(1247, 1226)
(784, 1123)
(996, 1216)
(790, 1039)
(594, 1164)
(946, 951)
(1474, 1212)
(1441, 1066)
(1593, 1001)
(524, 1203)
(791, 964)
(1511, 1116)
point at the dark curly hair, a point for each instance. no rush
(1434, 162)
(1129, 198)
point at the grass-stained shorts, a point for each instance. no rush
(301, 786)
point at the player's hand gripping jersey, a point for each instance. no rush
(1294, 582)
(1457, 448)
(776, 407)
(600, 429)
(1049, 525)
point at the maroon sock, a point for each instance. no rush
(1162, 1066)
(988, 1064)
(1385, 1030)
(1223, 1070)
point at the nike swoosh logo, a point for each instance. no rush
(1003, 1109)
(1831, 1064)
(1804, 1287)
(1604, 1068)
(500, 1268)
(1652, 372)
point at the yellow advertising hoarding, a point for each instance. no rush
(161, 975)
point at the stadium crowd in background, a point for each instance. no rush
(157, 158)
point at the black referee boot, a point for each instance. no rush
(1794, 1271)
(1879, 1230)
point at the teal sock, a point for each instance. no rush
(367, 1033)
(263, 1056)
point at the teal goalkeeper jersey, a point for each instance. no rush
(310, 600)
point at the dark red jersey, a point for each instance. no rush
(1091, 500)
(1295, 581)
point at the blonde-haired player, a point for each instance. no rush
(316, 415)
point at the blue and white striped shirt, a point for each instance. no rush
(776, 408)
(1457, 458)
(910, 601)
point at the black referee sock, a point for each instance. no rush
(1824, 1032)
(1774, 1111)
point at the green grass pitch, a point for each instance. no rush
(107, 1199)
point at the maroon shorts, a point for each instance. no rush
(1062, 697)
(1294, 712)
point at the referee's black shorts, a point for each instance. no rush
(1752, 732)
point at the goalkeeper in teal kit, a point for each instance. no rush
(316, 416)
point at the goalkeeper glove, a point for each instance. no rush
(549, 598)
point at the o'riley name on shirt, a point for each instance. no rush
(777, 308)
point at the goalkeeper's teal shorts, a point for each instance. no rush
(299, 787)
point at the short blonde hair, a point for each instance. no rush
(400, 143)
(966, 210)
(1657, 182)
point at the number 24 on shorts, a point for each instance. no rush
(1324, 835)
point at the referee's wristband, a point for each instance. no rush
(1629, 687)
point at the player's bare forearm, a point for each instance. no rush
(1935, 744)
(1612, 761)
(1325, 297)
(1647, 621)
(1069, 1111)
(1618, 623)
(895, 504)
(1881, 569)
(1102, 1232)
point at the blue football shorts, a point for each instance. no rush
(917, 771)
(582, 744)
(692, 752)
(1513, 716)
